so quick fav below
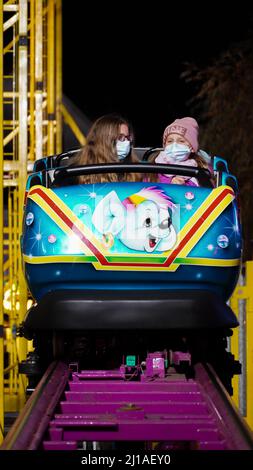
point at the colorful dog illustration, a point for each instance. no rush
(142, 221)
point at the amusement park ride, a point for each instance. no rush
(129, 282)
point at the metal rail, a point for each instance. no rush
(104, 407)
(32, 422)
(227, 414)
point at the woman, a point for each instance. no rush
(110, 140)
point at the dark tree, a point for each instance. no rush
(223, 101)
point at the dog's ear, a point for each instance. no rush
(109, 214)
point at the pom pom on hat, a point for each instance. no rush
(186, 127)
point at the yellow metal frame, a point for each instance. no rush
(245, 292)
(31, 115)
(69, 120)
(58, 82)
(51, 77)
(1, 230)
(30, 127)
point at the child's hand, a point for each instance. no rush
(178, 180)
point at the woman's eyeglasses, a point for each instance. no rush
(123, 137)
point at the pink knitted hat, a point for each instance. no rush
(187, 127)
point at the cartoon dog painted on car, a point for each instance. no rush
(142, 221)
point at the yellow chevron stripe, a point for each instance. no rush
(205, 226)
(199, 212)
(78, 259)
(68, 212)
(54, 259)
(64, 227)
(212, 262)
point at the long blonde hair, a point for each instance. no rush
(202, 163)
(101, 148)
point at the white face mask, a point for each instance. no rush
(178, 152)
(123, 149)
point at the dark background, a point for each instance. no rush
(118, 59)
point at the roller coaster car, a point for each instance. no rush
(139, 256)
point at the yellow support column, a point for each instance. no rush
(244, 292)
(22, 175)
(51, 76)
(32, 76)
(1, 232)
(32, 80)
(38, 79)
(235, 348)
(58, 45)
(69, 120)
(249, 342)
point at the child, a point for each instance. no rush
(181, 147)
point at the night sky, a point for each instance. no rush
(121, 60)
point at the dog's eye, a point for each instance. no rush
(147, 222)
(166, 223)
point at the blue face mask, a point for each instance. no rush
(123, 149)
(178, 152)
